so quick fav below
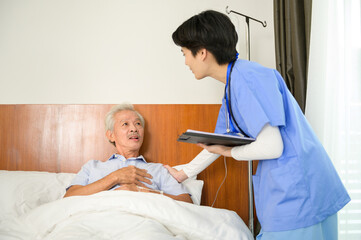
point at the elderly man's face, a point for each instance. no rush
(127, 133)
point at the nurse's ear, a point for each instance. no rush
(206, 56)
(202, 54)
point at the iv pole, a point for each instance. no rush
(250, 164)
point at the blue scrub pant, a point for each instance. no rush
(325, 230)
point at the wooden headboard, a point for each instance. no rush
(61, 138)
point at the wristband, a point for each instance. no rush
(151, 190)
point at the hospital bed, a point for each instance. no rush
(43, 146)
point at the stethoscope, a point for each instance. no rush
(229, 114)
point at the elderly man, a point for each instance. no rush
(126, 169)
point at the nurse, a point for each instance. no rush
(297, 189)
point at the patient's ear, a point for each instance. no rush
(110, 135)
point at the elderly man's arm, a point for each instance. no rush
(101, 185)
(182, 197)
(132, 187)
(127, 175)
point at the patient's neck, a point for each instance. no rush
(128, 154)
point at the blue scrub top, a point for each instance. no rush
(302, 187)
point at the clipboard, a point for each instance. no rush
(192, 136)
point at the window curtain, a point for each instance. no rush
(334, 97)
(292, 21)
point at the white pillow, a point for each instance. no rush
(193, 185)
(22, 191)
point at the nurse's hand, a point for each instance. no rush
(180, 176)
(217, 149)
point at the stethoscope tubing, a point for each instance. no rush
(229, 113)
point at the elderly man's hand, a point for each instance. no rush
(132, 175)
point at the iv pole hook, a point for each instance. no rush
(264, 23)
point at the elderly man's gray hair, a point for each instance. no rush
(109, 118)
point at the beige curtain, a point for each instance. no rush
(292, 21)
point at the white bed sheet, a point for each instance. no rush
(124, 215)
(31, 207)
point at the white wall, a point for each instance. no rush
(98, 52)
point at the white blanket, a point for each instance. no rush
(124, 215)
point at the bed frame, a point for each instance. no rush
(61, 138)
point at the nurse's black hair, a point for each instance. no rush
(211, 30)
